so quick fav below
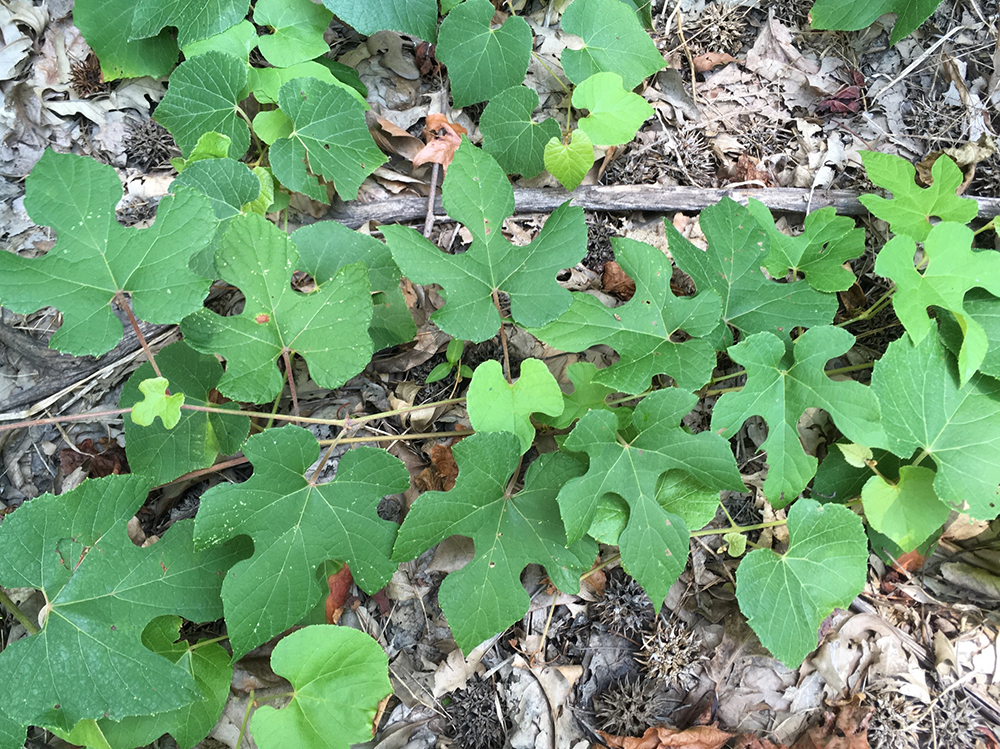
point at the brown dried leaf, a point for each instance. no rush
(848, 730)
(447, 137)
(617, 282)
(661, 737)
(709, 60)
(340, 585)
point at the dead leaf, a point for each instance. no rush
(847, 730)
(617, 282)
(704, 63)
(340, 585)
(447, 137)
(661, 737)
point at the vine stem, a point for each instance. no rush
(503, 339)
(871, 311)
(291, 379)
(738, 529)
(985, 227)
(123, 303)
(429, 218)
(598, 567)
(397, 437)
(16, 612)
(827, 372)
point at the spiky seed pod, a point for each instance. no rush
(473, 720)
(148, 144)
(953, 721)
(86, 78)
(894, 724)
(624, 609)
(629, 706)
(672, 652)
(719, 28)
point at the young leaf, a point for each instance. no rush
(328, 328)
(781, 385)
(120, 55)
(654, 544)
(855, 455)
(510, 135)
(96, 258)
(416, 17)
(156, 402)
(640, 329)
(983, 309)
(569, 162)
(202, 97)
(911, 207)
(194, 19)
(101, 591)
(786, 597)
(297, 30)
(326, 246)
(330, 134)
(587, 396)
(277, 586)
(227, 183)
(615, 114)
(958, 426)
(732, 266)
(237, 41)
(908, 511)
(210, 145)
(495, 406)
(819, 253)
(838, 481)
(509, 532)
(951, 268)
(162, 455)
(476, 193)
(851, 15)
(613, 42)
(339, 676)
(482, 61)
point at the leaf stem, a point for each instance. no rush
(738, 529)
(310, 420)
(503, 339)
(123, 303)
(91, 416)
(598, 567)
(991, 224)
(291, 379)
(871, 311)
(828, 372)
(559, 80)
(246, 718)
(17, 613)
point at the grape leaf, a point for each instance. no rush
(511, 137)
(958, 426)
(640, 329)
(326, 246)
(237, 41)
(911, 207)
(732, 266)
(330, 138)
(228, 184)
(277, 586)
(202, 97)
(613, 42)
(654, 544)
(496, 406)
(193, 19)
(297, 30)
(482, 61)
(509, 532)
(951, 268)
(907, 511)
(786, 597)
(982, 308)
(328, 327)
(156, 402)
(120, 56)
(851, 15)
(615, 114)
(819, 253)
(569, 162)
(416, 17)
(96, 258)
(162, 455)
(781, 385)
(476, 193)
(339, 676)
(101, 591)
(587, 395)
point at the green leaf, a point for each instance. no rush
(851, 15)
(416, 17)
(207, 663)
(120, 56)
(613, 42)
(786, 597)
(297, 30)
(193, 19)
(272, 124)
(819, 253)
(640, 329)
(509, 532)
(951, 268)
(96, 258)
(277, 586)
(911, 207)
(237, 41)
(615, 114)
(162, 455)
(654, 543)
(569, 162)
(855, 455)
(439, 372)
(101, 591)
(732, 266)
(958, 426)
(482, 61)
(908, 511)
(210, 145)
(510, 135)
(330, 136)
(156, 402)
(266, 83)
(339, 676)
(495, 406)
(587, 395)
(983, 309)
(643, 11)
(476, 193)
(328, 327)
(838, 481)
(12, 733)
(781, 385)
(227, 183)
(737, 544)
(326, 246)
(202, 97)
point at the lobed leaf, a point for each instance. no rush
(416, 17)
(193, 19)
(908, 511)
(121, 56)
(297, 28)
(851, 15)
(615, 115)
(157, 403)
(569, 162)
(510, 135)
(496, 406)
